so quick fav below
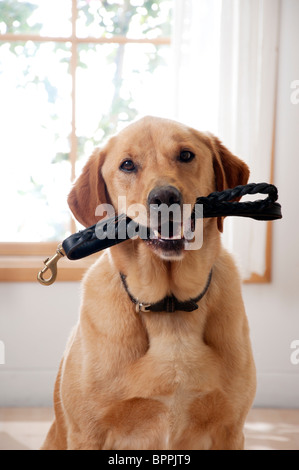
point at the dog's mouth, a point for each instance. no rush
(169, 230)
(170, 237)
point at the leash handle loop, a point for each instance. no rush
(224, 203)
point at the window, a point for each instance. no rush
(72, 72)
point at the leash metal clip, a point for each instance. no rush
(51, 264)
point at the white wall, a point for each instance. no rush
(35, 321)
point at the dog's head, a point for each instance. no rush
(152, 163)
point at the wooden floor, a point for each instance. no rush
(265, 429)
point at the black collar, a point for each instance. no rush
(170, 303)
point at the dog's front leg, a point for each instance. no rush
(78, 441)
(227, 440)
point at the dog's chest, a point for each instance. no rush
(179, 362)
(172, 375)
(183, 371)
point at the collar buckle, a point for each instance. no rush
(140, 307)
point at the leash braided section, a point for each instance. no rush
(223, 203)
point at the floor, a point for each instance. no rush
(265, 429)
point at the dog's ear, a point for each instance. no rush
(89, 190)
(229, 171)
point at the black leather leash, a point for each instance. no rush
(86, 242)
(217, 204)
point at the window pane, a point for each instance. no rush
(131, 18)
(35, 117)
(116, 84)
(46, 17)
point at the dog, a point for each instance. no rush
(171, 378)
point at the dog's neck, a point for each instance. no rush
(151, 278)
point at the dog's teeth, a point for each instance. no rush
(156, 233)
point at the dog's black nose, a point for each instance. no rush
(165, 195)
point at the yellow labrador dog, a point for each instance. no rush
(171, 376)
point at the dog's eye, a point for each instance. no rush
(128, 166)
(186, 156)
